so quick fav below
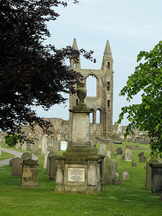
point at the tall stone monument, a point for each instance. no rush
(101, 105)
(80, 167)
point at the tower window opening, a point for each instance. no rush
(98, 116)
(91, 117)
(108, 86)
(108, 103)
(91, 86)
(108, 65)
(77, 101)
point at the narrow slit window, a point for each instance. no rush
(108, 86)
(108, 65)
(108, 103)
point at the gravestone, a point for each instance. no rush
(125, 175)
(127, 155)
(109, 170)
(45, 164)
(148, 176)
(16, 167)
(44, 147)
(29, 173)
(119, 151)
(156, 177)
(102, 149)
(142, 157)
(52, 166)
(108, 154)
(116, 180)
(134, 164)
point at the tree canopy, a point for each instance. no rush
(147, 80)
(31, 73)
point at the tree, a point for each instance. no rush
(31, 73)
(147, 80)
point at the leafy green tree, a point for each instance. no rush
(11, 139)
(146, 80)
(31, 73)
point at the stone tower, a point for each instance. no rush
(101, 105)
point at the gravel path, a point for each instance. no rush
(16, 153)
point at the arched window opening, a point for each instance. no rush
(77, 101)
(108, 86)
(98, 116)
(108, 65)
(108, 103)
(91, 86)
(91, 117)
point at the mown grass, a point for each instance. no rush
(128, 199)
(6, 155)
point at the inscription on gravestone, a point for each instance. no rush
(76, 174)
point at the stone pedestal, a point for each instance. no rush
(80, 128)
(80, 167)
(156, 177)
(29, 173)
(79, 170)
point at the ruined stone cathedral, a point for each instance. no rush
(101, 104)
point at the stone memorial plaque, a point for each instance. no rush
(76, 174)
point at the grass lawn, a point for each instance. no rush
(6, 155)
(128, 199)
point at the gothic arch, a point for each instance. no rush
(98, 116)
(91, 85)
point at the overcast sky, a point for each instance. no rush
(129, 25)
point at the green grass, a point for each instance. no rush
(128, 199)
(5, 155)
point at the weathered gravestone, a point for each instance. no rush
(119, 151)
(29, 173)
(156, 177)
(134, 164)
(127, 155)
(125, 175)
(108, 154)
(116, 179)
(109, 170)
(44, 146)
(16, 166)
(142, 157)
(102, 149)
(51, 166)
(148, 176)
(45, 164)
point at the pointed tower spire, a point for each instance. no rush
(73, 64)
(107, 58)
(75, 46)
(107, 51)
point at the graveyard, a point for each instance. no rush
(126, 198)
(69, 145)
